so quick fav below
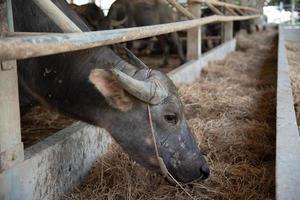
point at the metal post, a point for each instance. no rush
(227, 30)
(293, 11)
(194, 35)
(11, 147)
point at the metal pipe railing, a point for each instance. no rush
(218, 3)
(35, 46)
(181, 9)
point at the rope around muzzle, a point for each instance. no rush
(164, 170)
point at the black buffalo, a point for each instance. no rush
(95, 18)
(92, 16)
(98, 87)
(146, 13)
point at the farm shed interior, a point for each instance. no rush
(62, 120)
(228, 107)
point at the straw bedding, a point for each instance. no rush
(231, 110)
(293, 53)
(40, 123)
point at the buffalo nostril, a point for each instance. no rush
(204, 171)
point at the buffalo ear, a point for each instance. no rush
(114, 94)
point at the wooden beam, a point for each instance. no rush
(35, 46)
(218, 3)
(181, 9)
(213, 8)
(11, 147)
(231, 11)
(239, 11)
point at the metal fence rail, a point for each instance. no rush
(227, 5)
(48, 44)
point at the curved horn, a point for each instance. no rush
(138, 63)
(115, 23)
(151, 91)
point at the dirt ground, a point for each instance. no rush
(232, 112)
(293, 53)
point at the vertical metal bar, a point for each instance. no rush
(231, 11)
(11, 147)
(227, 29)
(239, 11)
(194, 35)
(293, 11)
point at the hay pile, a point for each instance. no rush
(40, 123)
(231, 110)
(293, 53)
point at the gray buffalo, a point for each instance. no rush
(99, 87)
(146, 13)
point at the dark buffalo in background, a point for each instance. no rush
(211, 33)
(145, 13)
(93, 16)
(252, 25)
(99, 87)
(126, 13)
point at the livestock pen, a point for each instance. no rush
(228, 108)
(76, 148)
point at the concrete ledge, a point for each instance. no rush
(288, 140)
(191, 71)
(54, 166)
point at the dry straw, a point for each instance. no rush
(40, 123)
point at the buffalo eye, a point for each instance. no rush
(171, 119)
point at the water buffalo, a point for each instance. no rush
(99, 87)
(146, 13)
(93, 16)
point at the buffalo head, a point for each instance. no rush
(129, 90)
(120, 14)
